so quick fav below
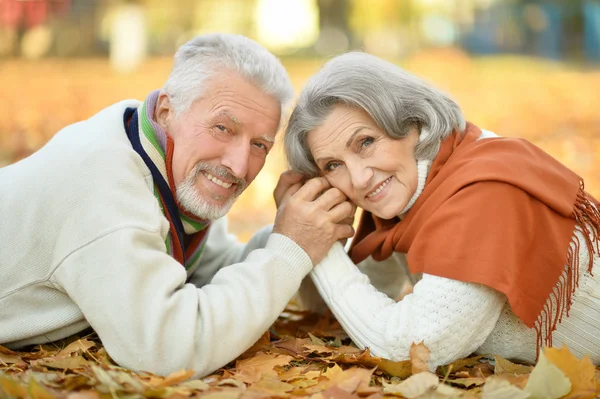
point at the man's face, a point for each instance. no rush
(220, 143)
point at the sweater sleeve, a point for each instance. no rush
(135, 296)
(388, 276)
(223, 249)
(453, 318)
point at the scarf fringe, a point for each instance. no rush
(586, 212)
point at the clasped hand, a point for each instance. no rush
(312, 213)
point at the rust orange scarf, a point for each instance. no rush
(499, 212)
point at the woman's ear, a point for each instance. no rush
(163, 111)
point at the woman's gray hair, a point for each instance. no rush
(394, 98)
(207, 55)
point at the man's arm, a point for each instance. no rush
(134, 295)
(223, 249)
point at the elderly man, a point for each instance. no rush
(118, 222)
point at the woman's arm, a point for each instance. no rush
(453, 318)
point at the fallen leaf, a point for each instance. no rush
(62, 363)
(12, 387)
(419, 355)
(468, 382)
(414, 386)
(271, 384)
(498, 388)
(251, 370)
(459, 364)
(81, 345)
(335, 392)
(11, 359)
(232, 382)
(37, 391)
(224, 394)
(547, 381)
(175, 378)
(581, 372)
(295, 373)
(198, 385)
(261, 345)
(503, 366)
(84, 395)
(316, 341)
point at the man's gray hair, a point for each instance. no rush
(394, 98)
(207, 55)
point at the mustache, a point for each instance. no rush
(218, 171)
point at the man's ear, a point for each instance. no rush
(163, 111)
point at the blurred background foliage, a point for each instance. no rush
(519, 68)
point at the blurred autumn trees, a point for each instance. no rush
(554, 105)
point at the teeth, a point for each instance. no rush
(379, 188)
(217, 181)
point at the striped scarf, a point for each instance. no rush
(187, 234)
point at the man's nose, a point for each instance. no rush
(237, 158)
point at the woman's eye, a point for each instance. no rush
(221, 128)
(367, 141)
(331, 166)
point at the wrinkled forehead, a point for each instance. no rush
(339, 125)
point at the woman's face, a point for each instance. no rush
(376, 172)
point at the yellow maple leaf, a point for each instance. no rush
(581, 372)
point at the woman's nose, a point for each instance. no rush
(360, 175)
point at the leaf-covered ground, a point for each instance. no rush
(303, 355)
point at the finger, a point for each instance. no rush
(286, 180)
(342, 231)
(290, 177)
(289, 192)
(313, 188)
(342, 213)
(330, 198)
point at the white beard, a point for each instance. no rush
(192, 201)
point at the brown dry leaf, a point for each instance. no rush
(37, 391)
(81, 345)
(175, 378)
(11, 359)
(271, 384)
(320, 349)
(84, 395)
(251, 370)
(499, 388)
(581, 372)
(459, 364)
(414, 386)
(62, 363)
(503, 366)
(468, 382)
(223, 394)
(290, 346)
(11, 387)
(349, 380)
(419, 355)
(261, 345)
(296, 373)
(232, 382)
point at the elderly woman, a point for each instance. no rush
(504, 235)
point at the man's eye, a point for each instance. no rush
(221, 128)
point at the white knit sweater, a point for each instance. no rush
(453, 318)
(83, 244)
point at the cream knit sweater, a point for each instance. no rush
(453, 318)
(83, 244)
